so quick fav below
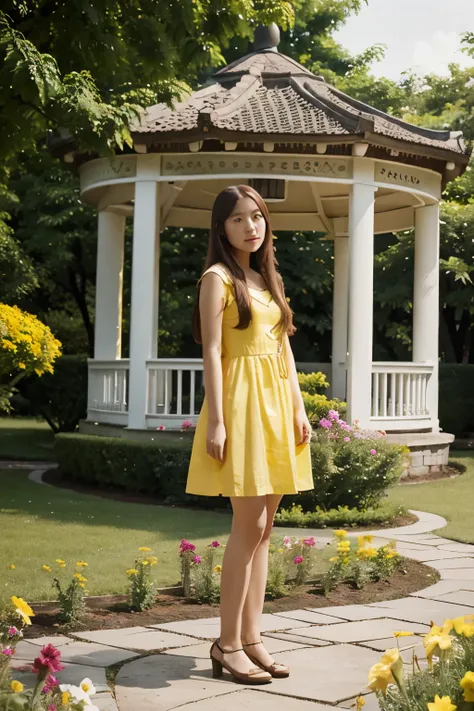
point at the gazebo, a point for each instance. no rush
(323, 161)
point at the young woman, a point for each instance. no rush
(252, 436)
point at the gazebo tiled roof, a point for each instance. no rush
(269, 96)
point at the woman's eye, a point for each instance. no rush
(258, 215)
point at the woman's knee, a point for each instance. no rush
(250, 521)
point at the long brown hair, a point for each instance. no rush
(263, 261)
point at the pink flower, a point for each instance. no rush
(373, 452)
(197, 559)
(13, 631)
(346, 427)
(287, 542)
(327, 424)
(309, 541)
(48, 659)
(50, 683)
(186, 425)
(299, 559)
(51, 707)
(333, 415)
(161, 428)
(215, 544)
(347, 439)
(8, 652)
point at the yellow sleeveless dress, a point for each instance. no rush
(260, 456)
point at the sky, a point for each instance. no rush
(423, 35)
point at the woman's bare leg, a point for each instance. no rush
(253, 608)
(248, 526)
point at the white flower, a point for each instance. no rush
(88, 686)
(77, 694)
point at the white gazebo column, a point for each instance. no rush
(361, 280)
(108, 299)
(426, 300)
(340, 305)
(145, 293)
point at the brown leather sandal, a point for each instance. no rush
(277, 670)
(254, 676)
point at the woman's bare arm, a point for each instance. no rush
(293, 375)
(211, 308)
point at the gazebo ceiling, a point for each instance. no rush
(267, 96)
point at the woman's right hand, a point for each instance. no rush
(215, 442)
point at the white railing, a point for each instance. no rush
(108, 391)
(175, 390)
(400, 395)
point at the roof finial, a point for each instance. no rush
(266, 37)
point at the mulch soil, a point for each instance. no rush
(113, 612)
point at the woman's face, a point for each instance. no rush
(245, 227)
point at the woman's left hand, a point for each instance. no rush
(302, 427)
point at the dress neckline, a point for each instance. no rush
(252, 288)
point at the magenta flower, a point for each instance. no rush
(186, 546)
(186, 425)
(197, 559)
(287, 542)
(299, 559)
(13, 631)
(215, 544)
(161, 428)
(309, 541)
(347, 439)
(346, 427)
(333, 415)
(8, 652)
(50, 683)
(373, 452)
(327, 424)
(48, 660)
(51, 707)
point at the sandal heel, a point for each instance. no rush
(216, 668)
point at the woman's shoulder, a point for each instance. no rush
(221, 270)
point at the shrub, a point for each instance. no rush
(71, 594)
(318, 406)
(27, 347)
(351, 467)
(340, 516)
(313, 383)
(60, 397)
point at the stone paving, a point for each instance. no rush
(329, 649)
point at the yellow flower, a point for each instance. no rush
(333, 559)
(12, 567)
(437, 638)
(467, 683)
(131, 571)
(20, 604)
(217, 568)
(145, 562)
(380, 676)
(341, 533)
(360, 701)
(81, 564)
(443, 704)
(24, 617)
(17, 687)
(60, 562)
(65, 696)
(80, 577)
(467, 630)
(152, 560)
(46, 568)
(144, 549)
(402, 634)
(281, 550)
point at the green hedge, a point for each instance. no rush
(133, 466)
(456, 398)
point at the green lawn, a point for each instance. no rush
(451, 498)
(26, 438)
(40, 524)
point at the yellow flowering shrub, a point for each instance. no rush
(26, 346)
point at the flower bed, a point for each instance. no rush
(47, 694)
(446, 684)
